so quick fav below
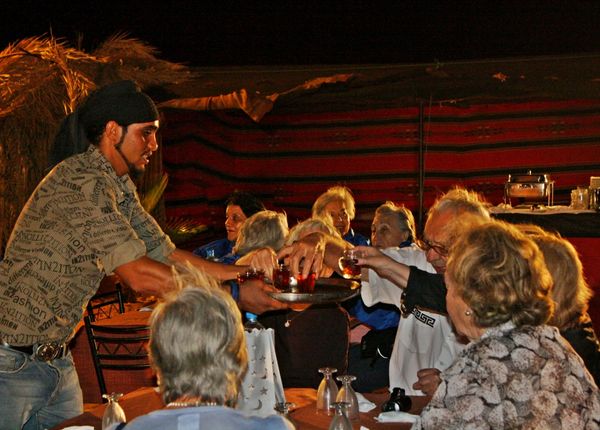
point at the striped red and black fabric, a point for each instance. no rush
(292, 155)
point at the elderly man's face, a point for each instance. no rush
(434, 240)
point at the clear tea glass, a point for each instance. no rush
(349, 264)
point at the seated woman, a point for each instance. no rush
(424, 339)
(238, 207)
(517, 371)
(336, 205)
(392, 226)
(571, 295)
(198, 350)
(311, 338)
(264, 229)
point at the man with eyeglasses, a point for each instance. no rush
(420, 288)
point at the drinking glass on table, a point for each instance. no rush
(348, 263)
(327, 392)
(348, 395)
(340, 420)
(113, 414)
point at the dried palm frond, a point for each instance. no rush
(182, 229)
(153, 195)
(134, 59)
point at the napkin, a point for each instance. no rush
(396, 417)
(364, 405)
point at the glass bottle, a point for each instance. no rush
(113, 414)
(348, 395)
(340, 420)
(327, 392)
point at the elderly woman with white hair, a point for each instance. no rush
(198, 350)
(264, 229)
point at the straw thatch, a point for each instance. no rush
(42, 79)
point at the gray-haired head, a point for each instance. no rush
(460, 200)
(263, 229)
(311, 225)
(392, 222)
(197, 343)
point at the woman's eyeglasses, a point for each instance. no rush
(440, 249)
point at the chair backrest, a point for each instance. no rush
(102, 305)
(117, 348)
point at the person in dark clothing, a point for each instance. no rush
(571, 294)
(239, 206)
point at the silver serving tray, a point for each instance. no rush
(326, 291)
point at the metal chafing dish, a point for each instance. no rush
(529, 188)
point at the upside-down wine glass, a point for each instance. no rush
(113, 414)
(327, 392)
(340, 420)
(348, 395)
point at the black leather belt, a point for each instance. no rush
(43, 351)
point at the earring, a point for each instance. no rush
(468, 313)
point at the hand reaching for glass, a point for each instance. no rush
(306, 255)
(263, 259)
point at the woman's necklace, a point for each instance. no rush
(192, 404)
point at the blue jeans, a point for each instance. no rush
(35, 394)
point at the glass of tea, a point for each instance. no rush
(281, 277)
(306, 284)
(349, 264)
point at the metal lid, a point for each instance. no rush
(529, 177)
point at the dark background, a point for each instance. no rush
(225, 33)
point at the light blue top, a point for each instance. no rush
(205, 418)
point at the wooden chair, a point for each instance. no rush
(117, 348)
(102, 305)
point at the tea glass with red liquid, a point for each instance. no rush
(348, 263)
(281, 277)
(306, 284)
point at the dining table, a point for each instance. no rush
(303, 413)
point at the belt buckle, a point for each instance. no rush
(48, 351)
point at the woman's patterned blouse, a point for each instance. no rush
(515, 378)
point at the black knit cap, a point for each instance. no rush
(122, 102)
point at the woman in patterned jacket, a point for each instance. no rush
(517, 371)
